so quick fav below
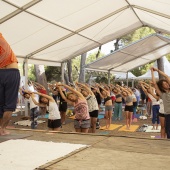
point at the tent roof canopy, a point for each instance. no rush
(57, 30)
(134, 55)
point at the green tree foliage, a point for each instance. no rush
(137, 35)
(53, 73)
(168, 57)
(31, 72)
(76, 65)
(92, 57)
(141, 70)
(76, 68)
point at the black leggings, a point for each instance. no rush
(167, 125)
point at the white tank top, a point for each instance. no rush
(32, 105)
(92, 103)
(161, 110)
(53, 111)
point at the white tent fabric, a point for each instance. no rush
(147, 75)
(118, 75)
(134, 55)
(57, 30)
(123, 76)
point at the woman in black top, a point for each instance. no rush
(62, 107)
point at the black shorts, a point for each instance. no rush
(143, 96)
(94, 113)
(9, 86)
(161, 115)
(54, 97)
(54, 123)
(135, 104)
(129, 108)
(63, 106)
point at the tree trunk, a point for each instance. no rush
(160, 66)
(116, 44)
(40, 75)
(62, 72)
(69, 67)
(23, 68)
(98, 53)
(66, 77)
(82, 68)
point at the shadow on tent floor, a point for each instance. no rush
(13, 136)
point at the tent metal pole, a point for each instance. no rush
(127, 79)
(133, 83)
(109, 77)
(62, 72)
(26, 84)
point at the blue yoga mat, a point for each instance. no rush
(100, 116)
(43, 116)
(137, 115)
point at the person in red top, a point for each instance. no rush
(9, 84)
(40, 88)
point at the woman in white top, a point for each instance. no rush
(155, 104)
(161, 115)
(33, 108)
(92, 104)
(54, 119)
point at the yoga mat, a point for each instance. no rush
(112, 127)
(72, 117)
(13, 136)
(14, 115)
(103, 133)
(44, 116)
(142, 128)
(27, 122)
(69, 120)
(149, 129)
(102, 113)
(23, 154)
(137, 115)
(100, 116)
(133, 128)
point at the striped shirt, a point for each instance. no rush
(7, 56)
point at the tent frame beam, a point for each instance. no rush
(119, 50)
(141, 55)
(73, 32)
(37, 59)
(151, 11)
(146, 63)
(26, 83)
(135, 13)
(18, 10)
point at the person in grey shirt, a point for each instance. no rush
(163, 90)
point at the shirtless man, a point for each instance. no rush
(9, 84)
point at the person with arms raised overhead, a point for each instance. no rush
(9, 84)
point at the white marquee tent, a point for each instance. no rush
(124, 76)
(52, 31)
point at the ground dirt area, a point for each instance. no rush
(106, 150)
(69, 126)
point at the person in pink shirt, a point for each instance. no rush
(76, 99)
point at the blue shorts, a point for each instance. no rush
(9, 86)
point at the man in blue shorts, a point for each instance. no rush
(9, 84)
